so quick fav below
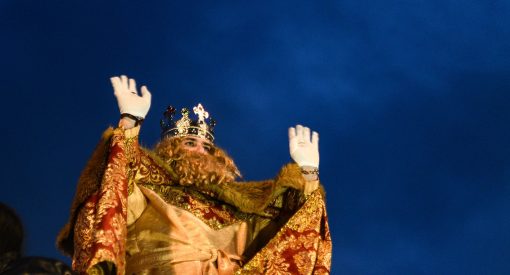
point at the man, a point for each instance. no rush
(178, 210)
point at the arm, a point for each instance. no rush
(95, 233)
(133, 109)
(305, 152)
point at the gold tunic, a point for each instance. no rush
(164, 239)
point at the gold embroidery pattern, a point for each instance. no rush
(215, 214)
(131, 152)
(302, 246)
(151, 173)
(100, 230)
(131, 149)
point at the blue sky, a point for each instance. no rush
(410, 99)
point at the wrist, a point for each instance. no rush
(310, 173)
(127, 123)
(131, 120)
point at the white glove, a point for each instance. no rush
(127, 97)
(304, 152)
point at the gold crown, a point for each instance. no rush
(201, 126)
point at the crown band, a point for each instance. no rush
(190, 131)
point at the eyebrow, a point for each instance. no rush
(205, 143)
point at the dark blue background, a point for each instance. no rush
(410, 99)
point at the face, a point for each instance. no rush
(197, 161)
(199, 145)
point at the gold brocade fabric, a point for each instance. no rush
(302, 246)
(99, 231)
(186, 231)
(215, 214)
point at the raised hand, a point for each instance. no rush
(303, 150)
(130, 102)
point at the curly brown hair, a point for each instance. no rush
(197, 168)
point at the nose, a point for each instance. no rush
(200, 149)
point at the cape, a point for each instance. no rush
(294, 238)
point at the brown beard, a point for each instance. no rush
(197, 168)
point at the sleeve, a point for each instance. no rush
(100, 226)
(88, 184)
(100, 229)
(301, 246)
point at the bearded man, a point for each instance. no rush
(178, 209)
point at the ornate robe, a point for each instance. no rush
(129, 213)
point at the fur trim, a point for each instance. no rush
(247, 196)
(255, 196)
